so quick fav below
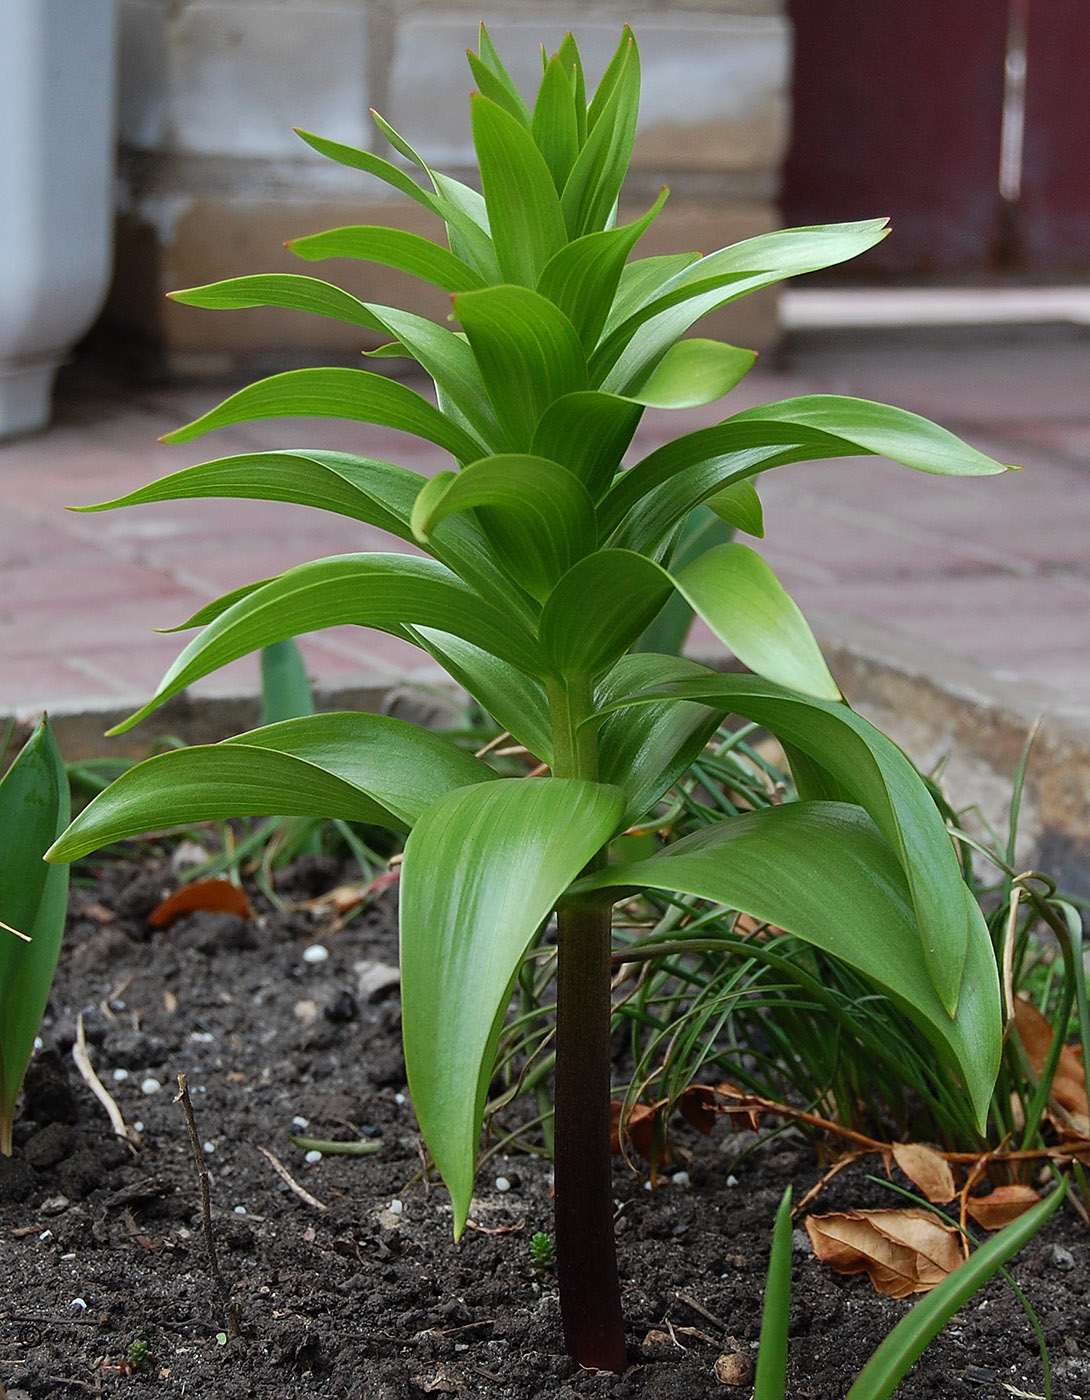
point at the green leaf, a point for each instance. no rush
(384, 591)
(670, 481)
(555, 124)
(357, 767)
(891, 1361)
(594, 184)
(285, 686)
(282, 289)
(702, 531)
(824, 872)
(643, 279)
(870, 768)
(880, 429)
(694, 372)
(535, 513)
(572, 63)
(588, 433)
(451, 203)
(391, 247)
(482, 869)
(33, 899)
(516, 701)
(354, 394)
(626, 592)
(362, 488)
(523, 206)
(583, 276)
(528, 354)
(712, 281)
(745, 605)
(494, 80)
(771, 1378)
(646, 749)
(740, 506)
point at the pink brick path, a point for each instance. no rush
(995, 571)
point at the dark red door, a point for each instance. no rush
(1053, 223)
(899, 110)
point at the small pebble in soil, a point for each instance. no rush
(300, 1122)
(681, 1179)
(733, 1368)
(209, 1146)
(240, 1210)
(138, 1127)
(150, 1086)
(120, 1075)
(399, 1098)
(395, 1207)
(77, 1305)
(502, 1184)
(316, 953)
(312, 1156)
(732, 1181)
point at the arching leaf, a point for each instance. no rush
(824, 872)
(391, 247)
(625, 591)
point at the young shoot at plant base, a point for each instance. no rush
(543, 566)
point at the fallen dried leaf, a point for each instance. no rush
(901, 1251)
(217, 896)
(926, 1169)
(1001, 1206)
(698, 1107)
(1068, 1090)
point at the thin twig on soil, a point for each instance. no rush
(82, 1060)
(290, 1182)
(230, 1310)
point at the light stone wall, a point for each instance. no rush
(214, 180)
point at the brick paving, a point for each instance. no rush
(994, 572)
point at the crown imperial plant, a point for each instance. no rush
(544, 564)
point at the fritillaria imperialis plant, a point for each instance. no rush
(545, 562)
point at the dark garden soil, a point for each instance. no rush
(101, 1245)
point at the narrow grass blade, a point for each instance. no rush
(771, 1379)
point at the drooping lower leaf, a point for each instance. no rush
(357, 767)
(824, 872)
(482, 869)
(866, 767)
(391, 247)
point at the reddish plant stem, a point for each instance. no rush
(586, 1256)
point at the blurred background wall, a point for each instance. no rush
(213, 179)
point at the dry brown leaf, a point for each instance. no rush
(1001, 1206)
(926, 1169)
(1068, 1090)
(901, 1251)
(219, 896)
(639, 1126)
(697, 1105)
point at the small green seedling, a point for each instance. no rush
(34, 810)
(138, 1356)
(542, 1251)
(545, 565)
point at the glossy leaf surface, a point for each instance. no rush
(627, 591)
(869, 769)
(694, 372)
(385, 591)
(482, 869)
(360, 767)
(391, 247)
(745, 605)
(536, 515)
(355, 394)
(824, 872)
